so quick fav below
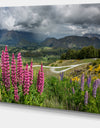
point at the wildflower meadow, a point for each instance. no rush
(26, 84)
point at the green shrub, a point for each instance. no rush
(96, 62)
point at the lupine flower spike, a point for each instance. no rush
(7, 69)
(13, 71)
(71, 81)
(40, 80)
(95, 86)
(16, 93)
(19, 69)
(26, 81)
(86, 98)
(61, 75)
(31, 73)
(41, 67)
(89, 81)
(2, 66)
(73, 90)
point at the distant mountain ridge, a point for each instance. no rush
(24, 39)
(14, 38)
(90, 35)
(72, 42)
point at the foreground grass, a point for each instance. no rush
(56, 94)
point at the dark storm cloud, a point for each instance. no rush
(52, 20)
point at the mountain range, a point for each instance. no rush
(72, 42)
(20, 39)
(15, 38)
(90, 35)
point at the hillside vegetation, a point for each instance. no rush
(85, 52)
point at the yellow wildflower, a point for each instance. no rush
(90, 67)
(94, 77)
(75, 79)
(97, 69)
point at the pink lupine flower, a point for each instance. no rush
(19, 69)
(41, 67)
(7, 69)
(40, 80)
(16, 93)
(2, 66)
(26, 81)
(13, 78)
(23, 72)
(13, 71)
(31, 73)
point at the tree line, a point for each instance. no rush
(84, 53)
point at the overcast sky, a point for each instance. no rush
(56, 21)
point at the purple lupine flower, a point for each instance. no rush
(2, 66)
(13, 71)
(31, 73)
(19, 69)
(82, 82)
(73, 90)
(7, 69)
(71, 81)
(61, 75)
(86, 98)
(26, 81)
(40, 80)
(89, 81)
(95, 86)
(96, 82)
(16, 93)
